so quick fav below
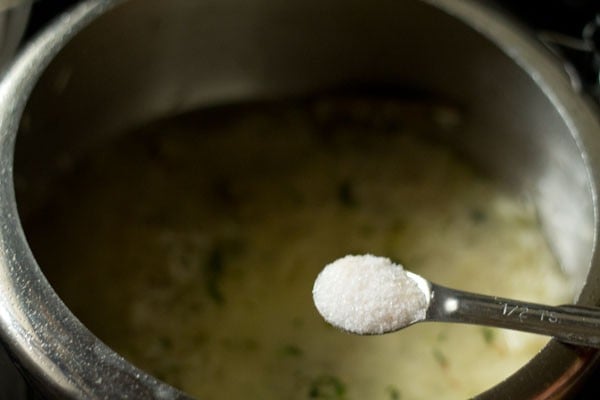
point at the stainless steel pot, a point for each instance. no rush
(13, 20)
(107, 65)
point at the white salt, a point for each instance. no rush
(366, 294)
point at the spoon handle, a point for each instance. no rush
(570, 324)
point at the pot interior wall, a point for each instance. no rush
(147, 59)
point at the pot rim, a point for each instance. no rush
(69, 361)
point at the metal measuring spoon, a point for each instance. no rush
(370, 304)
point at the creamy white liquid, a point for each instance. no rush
(191, 247)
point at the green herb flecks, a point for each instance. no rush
(291, 350)
(440, 358)
(489, 334)
(223, 191)
(222, 252)
(327, 387)
(165, 342)
(346, 195)
(393, 392)
(240, 344)
(213, 272)
(442, 336)
(477, 215)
